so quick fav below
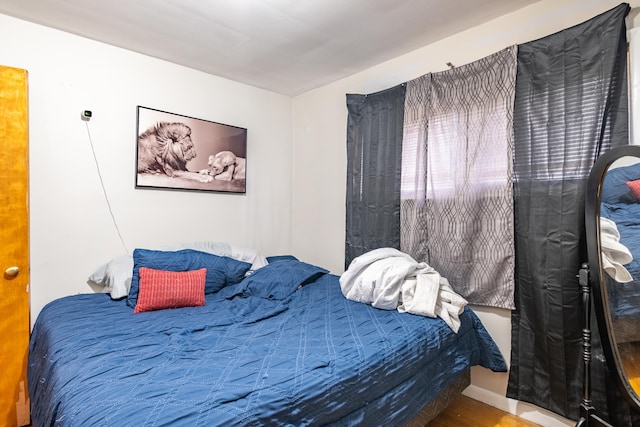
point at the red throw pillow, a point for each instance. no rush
(635, 188)
(161, 289)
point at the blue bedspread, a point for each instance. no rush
(309, 357)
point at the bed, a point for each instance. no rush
(278, 345)
(621, 205)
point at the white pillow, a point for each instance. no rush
(115, 276)
(252, 256)
(215, 248)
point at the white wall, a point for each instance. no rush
(319, 162)
(71, 231)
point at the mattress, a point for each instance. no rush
(306, 357)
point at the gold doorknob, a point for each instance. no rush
(11, 272)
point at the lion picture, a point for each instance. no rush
(181, 152)
(165, 149)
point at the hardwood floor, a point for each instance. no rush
(631, 362)
(467, 412)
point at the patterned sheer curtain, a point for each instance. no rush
(571, 106)
(374, 153)
(457, 198)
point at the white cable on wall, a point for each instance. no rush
(104, 191)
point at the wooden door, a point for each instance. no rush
(14, 247)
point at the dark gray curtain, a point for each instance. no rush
(374, 158)
(570, 106)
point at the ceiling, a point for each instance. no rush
(285, 46)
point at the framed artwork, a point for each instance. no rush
(184, 153)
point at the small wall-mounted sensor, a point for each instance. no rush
(86, 115)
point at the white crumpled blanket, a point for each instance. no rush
(614, 254)
(389, 279)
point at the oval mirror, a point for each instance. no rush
(612, 215)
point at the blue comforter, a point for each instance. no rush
(303, 356)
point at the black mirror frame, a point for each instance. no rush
(597, 279)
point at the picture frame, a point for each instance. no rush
(177, 152)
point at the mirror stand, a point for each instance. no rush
(588, 416)
(611, 281)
